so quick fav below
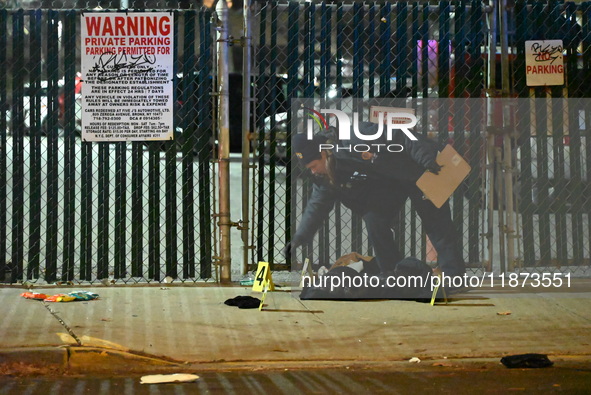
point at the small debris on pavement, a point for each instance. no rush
(527, 361)
(169, 378)
(60, 298)
(414, 360)
(83, 295)
(503, 313)
(34, 295)
(70, 297)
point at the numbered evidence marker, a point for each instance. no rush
(306, 272)
(265, 289)
(263, 277)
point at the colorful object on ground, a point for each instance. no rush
(60, 298)
(70, 297)
(34, 295)
(84, 295)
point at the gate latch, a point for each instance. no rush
(231, 41)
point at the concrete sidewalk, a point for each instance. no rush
(193, 325)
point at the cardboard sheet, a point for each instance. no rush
(438, 188)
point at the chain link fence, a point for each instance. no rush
(113, 4)
(523, 207)
(139, 212)
(73, 211)
(550, 143)
(339, 51)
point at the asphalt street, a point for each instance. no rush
(452, 377)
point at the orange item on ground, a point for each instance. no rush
(34, 295)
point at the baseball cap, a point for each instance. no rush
(307, 150)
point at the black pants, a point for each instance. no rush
(384, 206)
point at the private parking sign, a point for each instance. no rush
(127, 73)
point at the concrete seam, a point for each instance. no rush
(311, 311)
(68, 357)
(61, 321)
(563, 307)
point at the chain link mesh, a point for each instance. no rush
(549, 143)
(347, 50)
(111, 212)
(522, 207)
(113, 4)
(76, 212)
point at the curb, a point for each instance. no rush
(102, 359)
(43, 356)
(80, 359)
(89, 360)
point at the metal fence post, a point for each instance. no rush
(224, 143)
(509, 230)
(490, 161)
(17, 255)
(4, 125)
(246, 132)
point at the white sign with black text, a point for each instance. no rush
(544, 64)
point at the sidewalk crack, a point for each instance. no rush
(311, 311)
(61, 321)
(566, 308)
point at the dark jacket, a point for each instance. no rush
(409, 164)
(356, 177)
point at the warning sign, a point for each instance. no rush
(127, 72)
(544, 65)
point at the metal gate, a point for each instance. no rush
(130, 212)
(72, 211)
(551, 144)
(361, 50)
(518, 209)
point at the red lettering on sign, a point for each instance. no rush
(545, 69)
(128, 26)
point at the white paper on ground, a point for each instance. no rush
(168, 378)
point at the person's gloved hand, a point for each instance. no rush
(287, 250)
(434, 167)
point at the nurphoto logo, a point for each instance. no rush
(387, 122)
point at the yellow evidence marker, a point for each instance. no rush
(263, 277)
(265, 289)
(306, 270)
